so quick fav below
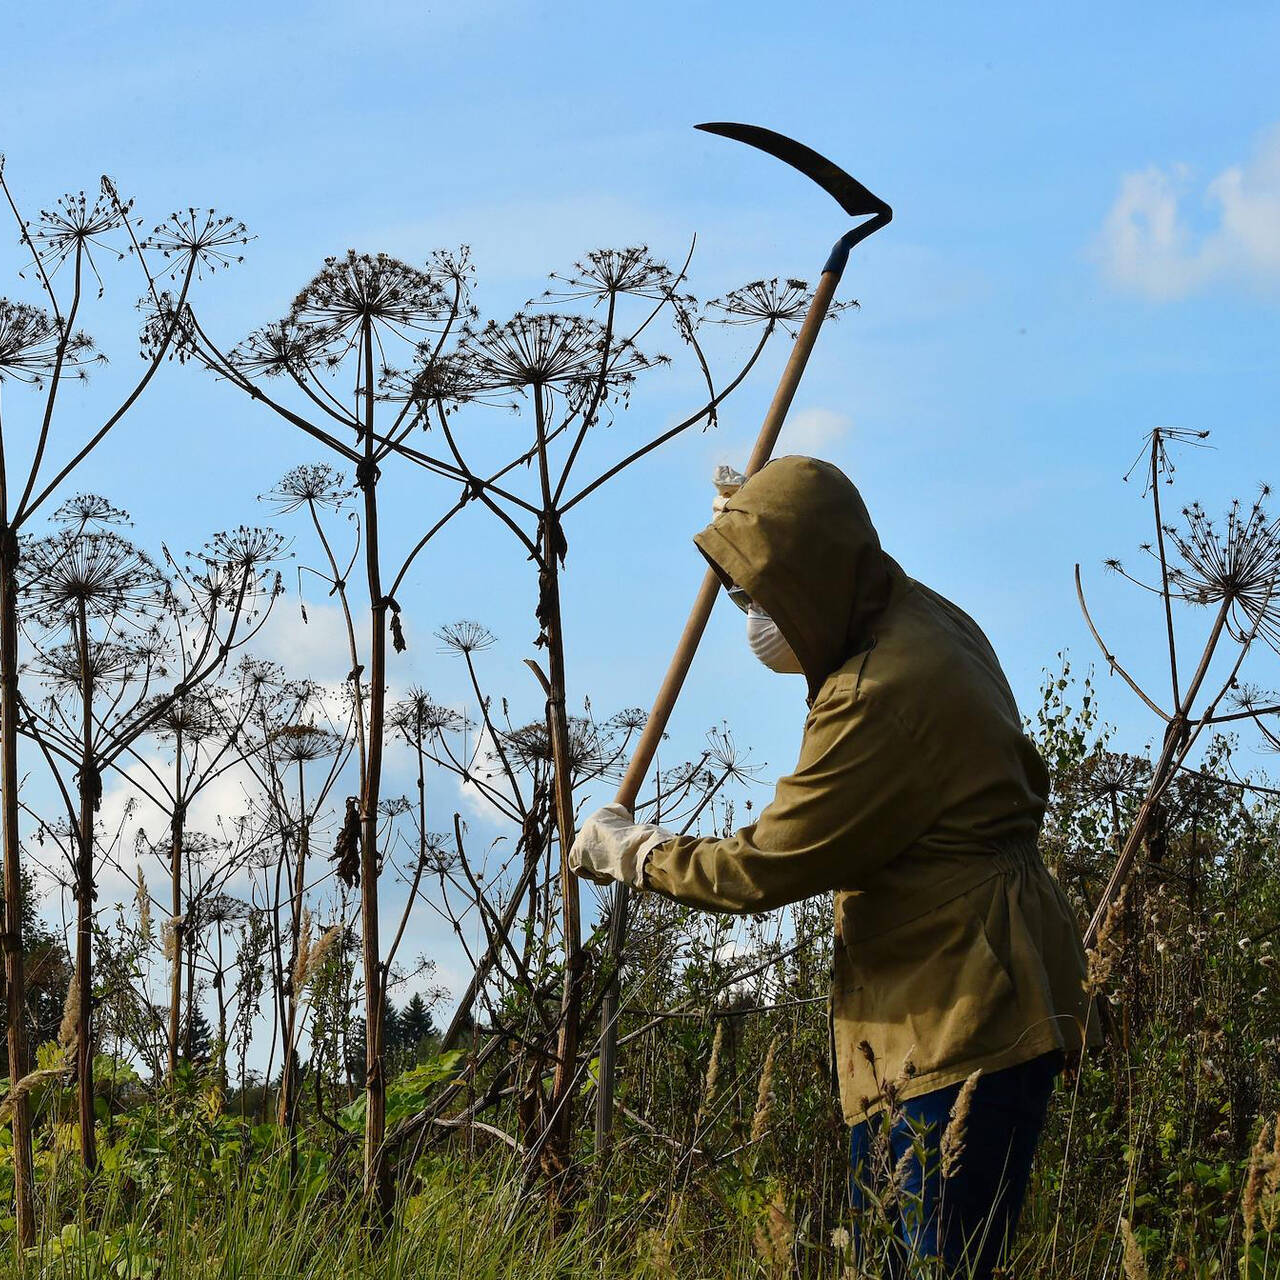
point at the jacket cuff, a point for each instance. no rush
(650, 843)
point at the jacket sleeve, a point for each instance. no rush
(856, 799)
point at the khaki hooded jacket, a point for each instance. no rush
(917, 799)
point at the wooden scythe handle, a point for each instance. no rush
(681, 661)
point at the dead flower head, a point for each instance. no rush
(1112, 937)
(69, 1031)
(1135, 1265)
(466, 637)
(168, 328)
(304, 743)
(953, 1137)
(314, 484)
(552, 352)
(374, 289)
(85, 509)
(441, 381)
(77, 224)
(198, 240)
(606, 273)
(142, 899)
(1107, 775)
(774, 303)
(282, 347)
(107, 662)
(32, 343)
(193, 717)
(98, 571)
(1260, 1160)
(590, 752)
(765, 1096)
(418, 717)
(1235, 565)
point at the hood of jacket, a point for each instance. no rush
(798, 540)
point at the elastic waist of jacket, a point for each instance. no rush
(1016, 853)
(871, 915)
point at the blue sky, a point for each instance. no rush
(1086, 244)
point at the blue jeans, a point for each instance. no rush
(968, 1219)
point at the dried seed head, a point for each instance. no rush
(1135, 1265)
(96, 569)
(69, 1031)
(1112, 935)
(606, 273)
(169, 936)
(1237, 566)
(953, 1137)
(901, 1179)
(84, 509)
(77, 225)
(198, 240)
(375, 289)
(1259, 1168)
(775, 303)
(304, 743)
(562, 352)
(302, 960)
(312, 484)
(143, 899)
(764, 1094)
(466, 637)
(712, 1076)
(419, 717)
(1271, 1182)
(776, 1235)
(321, 950)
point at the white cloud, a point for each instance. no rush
(484, 766)
(1149, 245)
(317, 647)
(813, 430)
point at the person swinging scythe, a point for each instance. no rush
(917, 801)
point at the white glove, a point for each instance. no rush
(727, 482)
(613, 846)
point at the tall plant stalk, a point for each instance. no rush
(573, 371)
(353, 315)
(1236, 570)
(97, 607)
(43, 348)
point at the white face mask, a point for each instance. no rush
(769, 645)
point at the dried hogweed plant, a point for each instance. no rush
(69, 248)
(569, 365)
(1231, 569)
(119, 643)
(335, 368)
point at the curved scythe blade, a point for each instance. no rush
(848, 192)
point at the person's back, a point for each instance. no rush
(917, 800)
(961, 952)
